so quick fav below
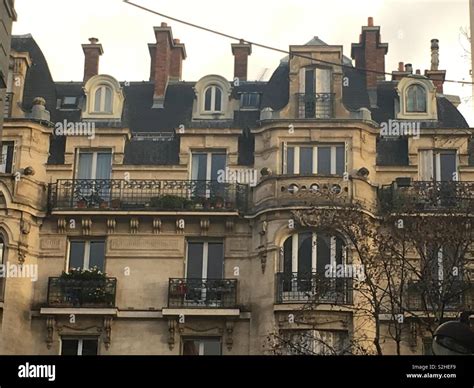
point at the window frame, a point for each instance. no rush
(315, 162)
(7, 157)
(213, 101)
(87, 253)
(102, 89)
(201, 343)
(80, 343)
(95, 153)
(416, 102)
(205, 257)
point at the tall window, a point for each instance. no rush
(205, 260)
(6, 157)
(416, 99)
(103, 99)
(85, 254)
(320, 159)
(94, 164)
(438, 165)
(213, 99)
(205, 166)
(81, 346)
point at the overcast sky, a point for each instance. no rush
(61, 26)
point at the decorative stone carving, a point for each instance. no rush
(134, 225)
(107, 332)
(50, 322)
(229, 328)
(205, 223)
(157, 225)
(229, 225)
(86, 226)
(172, 333)
(111, 225)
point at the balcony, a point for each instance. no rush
(315, 105)
(74, 293)
(312, 288)
(294, 190)
(427, 196)
(459, 298)
(152, 195)
(202, 293)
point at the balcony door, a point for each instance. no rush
(322, 159)
(205, 168)
(315, 93)
(204, 268)
(94, 169)
(439, 166)
(307, 257)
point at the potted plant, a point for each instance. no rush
(82, 287)
(81, 204)
(219, 202)
(104, 205)
(116, 203)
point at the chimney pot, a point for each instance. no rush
(93, 40)
(370, 21)
(408, 68)
(163, 24)
(418, 71)
(401, 66)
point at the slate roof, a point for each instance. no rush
(139, 116)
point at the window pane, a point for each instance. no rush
(2, 249)
(108, 100)
(89, 347)
(194, 265)
(76, 254)
(97, 99)
(212, 347)
(305, 246)
(309, 81)
(85, 165)
(340, 163)
(199, 167)
(104, 165)
(287, 255)
(448, 165)
(215, 261)
(190, 348)
(323, 253)
(218, 163)
(97, 255)
(6, 163)
(306, 160)
(208, 99)
(290, 160)
(69, 347)
(218, 101)
(324, 160)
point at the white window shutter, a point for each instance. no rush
(285, 158)
(425, 167)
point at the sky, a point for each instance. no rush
(61, 26)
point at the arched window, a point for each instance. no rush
(213, 99)
(103, 99)
(314, 264)
(416, 99)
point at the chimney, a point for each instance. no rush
(369, 54)
(92, 52)
(241, 53)
(434, 74)
(403, 71)
(178, 54)
(161, 54)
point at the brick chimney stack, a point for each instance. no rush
(92, 53)
(434, 74)
(167, 56)
(369, 54)
(241, 53)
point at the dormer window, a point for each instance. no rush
(103, 99)
(249, 100)
(213, 99)
(416, 99)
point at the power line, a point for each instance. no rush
(270, 47)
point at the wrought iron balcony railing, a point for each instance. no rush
(313, 288)
(81, 293)
(117, 194)
(202, 293)
(315, 105)
(422, 297)
(418, 196)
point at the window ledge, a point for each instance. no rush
(77, 311)
(210, 312)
